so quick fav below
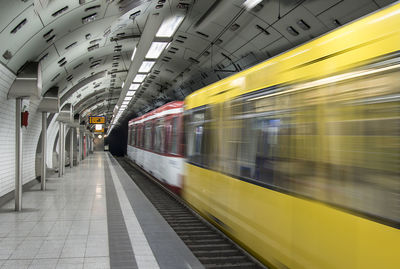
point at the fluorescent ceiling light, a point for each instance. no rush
(123, 84)
(130, 93)
(125, 102)
(123, 106)
(156, 49)
(133, 53)
(249, 4)
(169, 26)
(139, 78)
(134, 86)
(127, 98)
(146, 66)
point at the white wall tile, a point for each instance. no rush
(30, 136)
(7, 133)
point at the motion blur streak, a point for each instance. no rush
(300, 162)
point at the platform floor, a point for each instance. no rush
(92, 217)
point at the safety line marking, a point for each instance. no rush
(143, 254)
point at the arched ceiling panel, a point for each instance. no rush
(100, 95)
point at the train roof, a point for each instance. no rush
(169, 106)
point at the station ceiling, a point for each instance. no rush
(85, 47)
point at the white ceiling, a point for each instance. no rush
(228, 38)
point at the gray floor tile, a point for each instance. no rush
(16, 264)
(70, 263)
(42, 228)
(97, 263)
(43, 264)
(50, 249)
(96, 251)
(74, 250)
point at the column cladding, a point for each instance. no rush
(52, 132)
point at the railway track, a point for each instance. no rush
(212, 248)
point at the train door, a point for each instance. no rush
(197, 174)
(219, 184)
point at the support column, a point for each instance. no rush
(63, 149)
(44, 149)
(88, 146)
(71, 147)
(18, 155)
(78, 153)
(83, 146)
(60, 134)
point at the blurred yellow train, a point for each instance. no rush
(298, 158)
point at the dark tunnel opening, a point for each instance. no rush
(117, 139)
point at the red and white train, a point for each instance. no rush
(155, 142)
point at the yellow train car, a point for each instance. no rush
(298, 158)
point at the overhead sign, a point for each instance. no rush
(99, 131)
(97, 120)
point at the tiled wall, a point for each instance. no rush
(30, 139)
(7, 133)
(30, 135)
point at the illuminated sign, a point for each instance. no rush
(97, 120)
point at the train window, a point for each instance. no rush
(148, 136)
(230, 138)
(173, 149)
(133, 133)
(200, 138)
(142, 136)
(137, 135)
(129, 135)
(195, 137)
(152, 134)
(159, 136)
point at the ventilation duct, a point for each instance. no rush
(28, 82)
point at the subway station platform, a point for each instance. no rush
(92, 217)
